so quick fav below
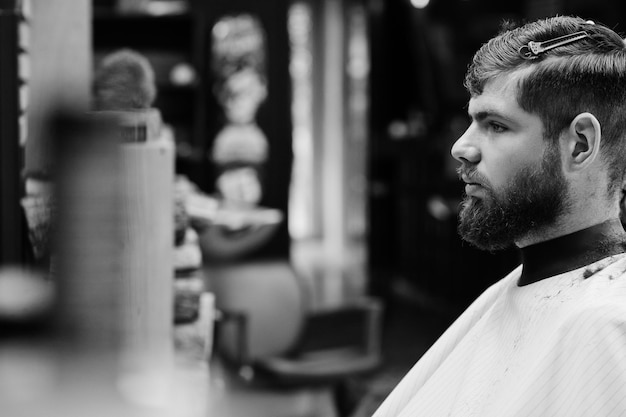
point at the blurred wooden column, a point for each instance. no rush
(88, 265)
(147, 207)
(116, 263)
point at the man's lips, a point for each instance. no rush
(469, 181)
(472, 187)
(475, 184)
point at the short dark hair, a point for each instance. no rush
(588, 75)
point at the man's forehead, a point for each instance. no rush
(499, 95)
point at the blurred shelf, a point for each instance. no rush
(168, 35)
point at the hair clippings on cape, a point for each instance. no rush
(532, 49)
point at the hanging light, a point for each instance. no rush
(419, 4)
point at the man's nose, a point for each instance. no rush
(465, 149)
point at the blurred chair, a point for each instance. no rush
(269, 333)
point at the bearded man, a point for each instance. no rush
(543, 161)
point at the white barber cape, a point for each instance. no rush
(556, 347)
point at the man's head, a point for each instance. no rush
(538, 123)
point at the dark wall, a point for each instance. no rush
(419, 58)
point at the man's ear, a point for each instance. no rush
(581, 142)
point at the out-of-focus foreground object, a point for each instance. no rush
(107, 346)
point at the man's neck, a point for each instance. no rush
(571, 251)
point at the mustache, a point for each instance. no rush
(472, 175)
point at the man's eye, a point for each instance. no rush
(496, 127)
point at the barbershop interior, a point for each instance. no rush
(235, 208)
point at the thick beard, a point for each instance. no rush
(534, 198)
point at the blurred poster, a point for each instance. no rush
(239, 150)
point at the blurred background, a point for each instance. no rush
(298, 151)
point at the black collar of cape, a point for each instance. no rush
(569, 252)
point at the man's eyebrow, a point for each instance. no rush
(484, 114)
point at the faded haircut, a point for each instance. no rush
(587, 75)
